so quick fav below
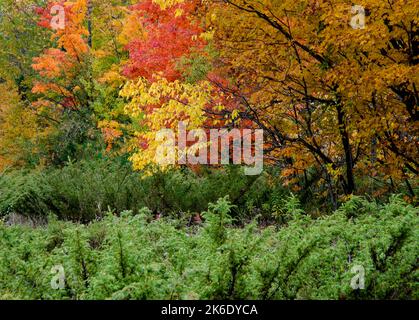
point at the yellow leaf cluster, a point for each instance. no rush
(162, 105)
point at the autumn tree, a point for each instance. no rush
(73, 73)
(23, 128)
(339, 99)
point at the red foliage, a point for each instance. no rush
(169, 37)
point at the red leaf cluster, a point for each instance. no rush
(171, 34)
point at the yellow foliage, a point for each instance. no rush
(330, 92)
(167, 3)
(160, 105)
(20, 128)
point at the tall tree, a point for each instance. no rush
(326, 93)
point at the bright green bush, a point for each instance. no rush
(134, 256)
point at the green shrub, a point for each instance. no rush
(85, 190)
(24, 192)
(133, 256)
(79, 191)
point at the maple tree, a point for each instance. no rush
(75, 73)
(58, 67)
(158, 96)
(338, 99)
(169, 78)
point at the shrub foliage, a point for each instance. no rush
(135, 256)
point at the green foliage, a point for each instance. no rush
(133, 256)
(194, 68)
(21, 41)
(23, 192)
(218, 219)
(86, 189)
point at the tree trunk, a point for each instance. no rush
(350, 182)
